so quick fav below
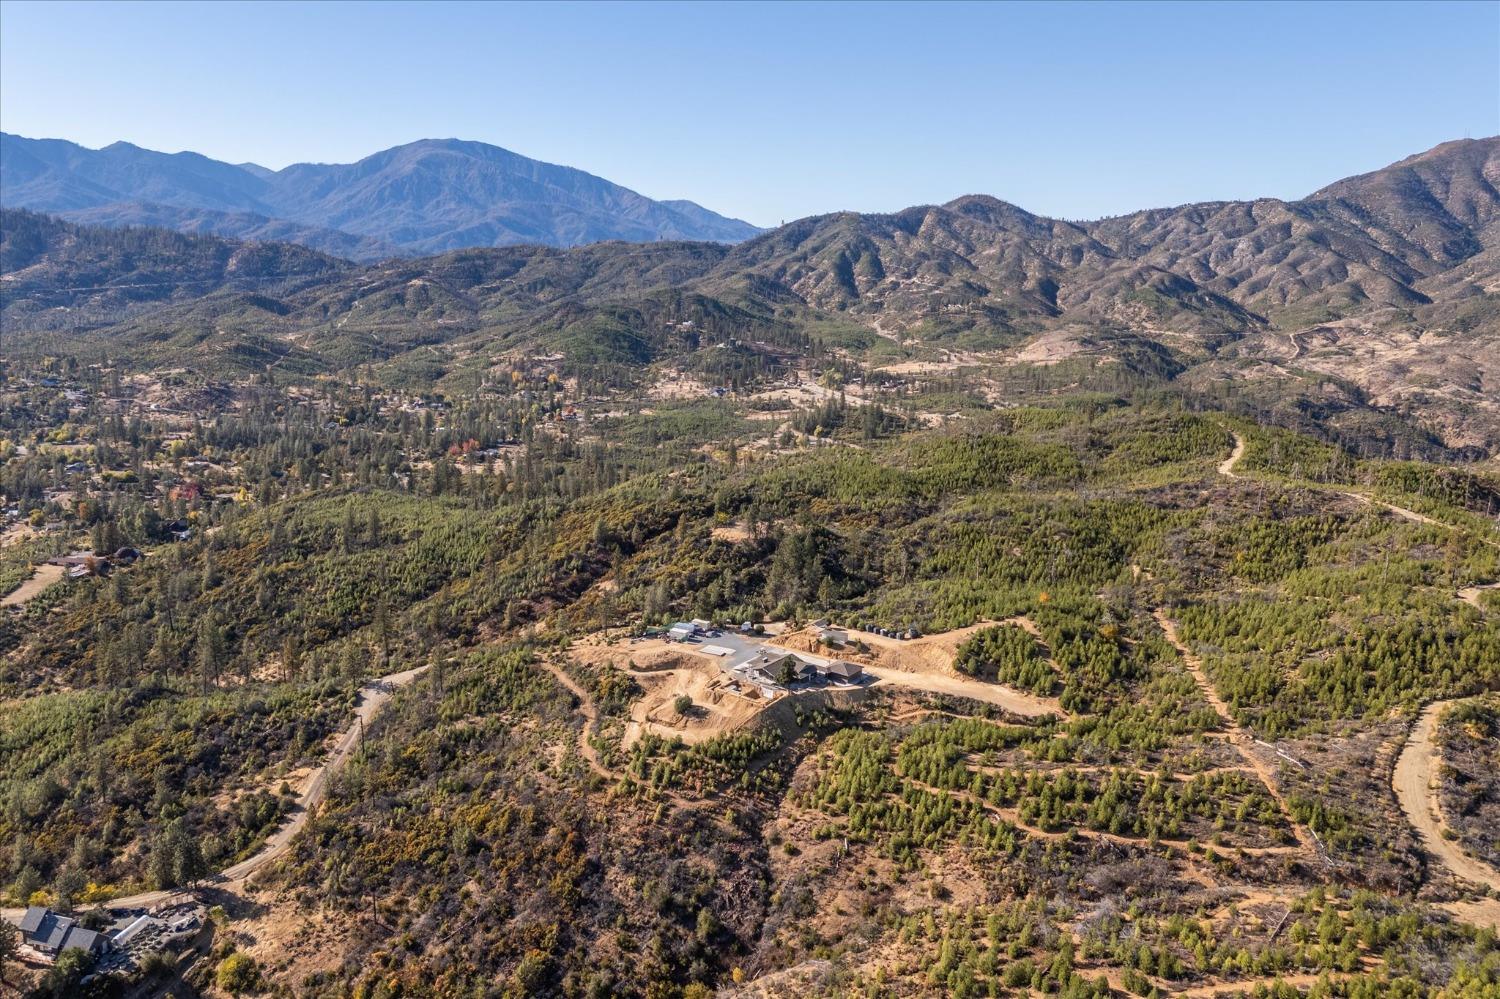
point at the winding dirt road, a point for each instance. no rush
(1242, 740)
(1413, 779)
(372, 697)
(1226, 469)
(1415, 783)
(590, 713)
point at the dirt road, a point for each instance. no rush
(1470, 594)
(1414, 781)
(1245, 988)
(1400, 511)
(590, 714)
(372, 697)
(44, 576)
(1226, 467)
(1242, 740)
(1416, 767)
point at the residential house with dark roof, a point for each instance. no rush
(840, 669)
(49, 934)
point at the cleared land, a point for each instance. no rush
(44, 576)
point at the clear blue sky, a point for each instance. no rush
(778, 111)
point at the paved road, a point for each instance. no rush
(372, 697)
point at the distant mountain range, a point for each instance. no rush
(425, 197)
(1378, 292)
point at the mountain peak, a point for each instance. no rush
(425, 196)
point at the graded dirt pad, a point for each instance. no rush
(716, 709)
(44, 576)
(667, 671)
(926, 664)
(952, 361)
(1052, 347)
(646, 656)
(735, 532)
(677, 388)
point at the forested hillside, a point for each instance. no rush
(1128, 840)
(955, 602)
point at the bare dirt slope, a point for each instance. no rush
(926, 664)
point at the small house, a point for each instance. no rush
(833, 636)
(681, 631)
